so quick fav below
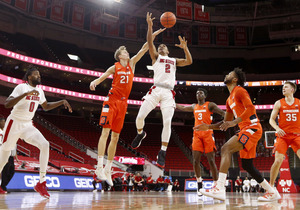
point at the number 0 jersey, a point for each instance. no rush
(122, 82)
(289, 116)
(26, 107)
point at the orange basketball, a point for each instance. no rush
(168, 19)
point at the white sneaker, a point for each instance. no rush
(94, 191)
(215, 192)
(199, 193)
(108, 177)
(100, 174)
(270, 196)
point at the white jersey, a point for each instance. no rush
(165, 72)
(1, 136)
(246, 182)
(253, 182)
(26, 107)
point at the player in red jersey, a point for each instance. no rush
(240, 107)
(203, 141)
(115, 105)
(287, 130)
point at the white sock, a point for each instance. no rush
(164, 148)
(267, 186)
(100, 162)
(199, 179)
(222, 180)
(108, 165)
(42, 177)
(140, 132)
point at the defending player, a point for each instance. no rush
(25, 100)
(203, 141)
(115, 105)
(161, 92)
(287, 130)
(240, 107)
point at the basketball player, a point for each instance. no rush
(25, 100)
(240, 107)
(115, 105)
(161, 92)
(287, 130)
(203, 141)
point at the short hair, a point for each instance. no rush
(118, 52)
(241, 76)
(292, 84)
(204, 91)
(29, 72)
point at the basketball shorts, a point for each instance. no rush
(113, 114)
(204, 141)
(283, 143)
(164, 96)
(248, 137)
(15, 129)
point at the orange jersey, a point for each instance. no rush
(122, 82)
(239, 103)
(202, 114)
(289, 116)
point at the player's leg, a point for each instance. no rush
(275, 167)
(34, 137)
(210, 148)
(212, 164)
(197, 169)
(147, 106)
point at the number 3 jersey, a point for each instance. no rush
(26, 107)
(165, 72)
(289, 116)
(122, 82)
(202, 114)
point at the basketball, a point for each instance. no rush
(168, 19)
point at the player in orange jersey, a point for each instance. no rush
(115, 105)
(240, 107)
(287, 130)
(203, 141)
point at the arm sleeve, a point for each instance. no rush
(243, 96)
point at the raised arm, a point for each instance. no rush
(109, 71)
(152, 51)
(186, 108)
(273, 116)
(188, 57)
(215, 109)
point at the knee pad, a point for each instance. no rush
(247, 164)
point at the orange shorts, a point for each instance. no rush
(249, 136)
(113, 114)
(283, 143)
(203, 141)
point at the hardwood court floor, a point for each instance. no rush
(142, 200)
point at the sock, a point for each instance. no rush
(140, 132)
(164, 148)
(199, 179)
(42, 177)
(100, 162)
(108, 165)
(267, 186)
(221, 181)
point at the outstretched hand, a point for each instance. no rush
(149, 19)
(201, 127)
(67, 106)
(155, 33)
(183, 43)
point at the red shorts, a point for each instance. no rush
(203, 141)
(283, 143)
(113, 114)
(249, 136)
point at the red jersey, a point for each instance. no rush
(167, 181)
(138, 178)
(149, 180)
(289, 116)
(160, 180)
(239, 103)
(202, 114)
(122, 82)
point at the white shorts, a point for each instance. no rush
(15, 129)
(161, 95)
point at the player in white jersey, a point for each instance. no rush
(25, 100)
(162, 90)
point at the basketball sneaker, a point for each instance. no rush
(270, 196)
(215, 192)
(42, 189)
(138, 140)
(2, 191)
(100, 174)
(161, 159)
(108, 177)
(94, 191)
(199, 188)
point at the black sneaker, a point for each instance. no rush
(161, 159)
(199, 187)
(138, 140)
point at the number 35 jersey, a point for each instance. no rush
(202, 114)
(122, 82)
(26, 107)
(289, 116)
